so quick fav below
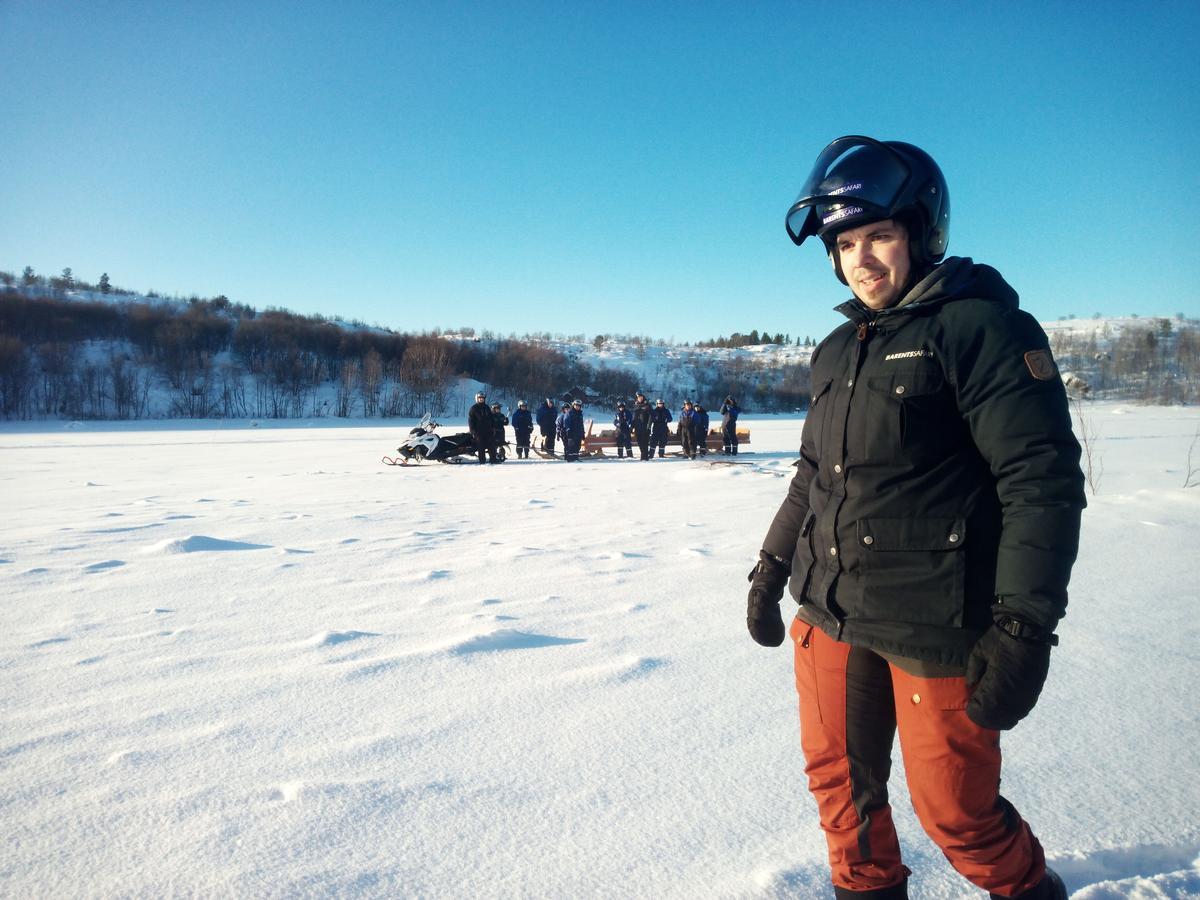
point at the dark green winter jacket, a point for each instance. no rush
(938, 472)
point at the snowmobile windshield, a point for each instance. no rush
(854, 181)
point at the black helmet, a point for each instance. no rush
(857, 180)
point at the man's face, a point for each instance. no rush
(876, 261)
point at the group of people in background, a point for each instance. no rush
(648, 425)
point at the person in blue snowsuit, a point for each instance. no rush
(624, 425)
(572, 431)
(700, 430)
(660, 419)
(547, 423)
(560, 424)
(687, 437)
(729, 417)
(522, 425)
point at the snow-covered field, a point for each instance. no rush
(254, 662)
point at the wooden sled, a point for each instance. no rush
(606, 439)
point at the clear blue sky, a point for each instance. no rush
(588, 167)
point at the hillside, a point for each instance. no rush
(81, 353)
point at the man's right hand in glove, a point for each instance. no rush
(767, 581)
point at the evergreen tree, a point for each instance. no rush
(105, 287)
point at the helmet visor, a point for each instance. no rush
(855, 180)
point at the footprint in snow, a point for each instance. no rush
(47, 643)
(123, 529)
(350, 541)
(621, 671)
(106, 564)
(176, 517)
(333, 638)
(285, 793)
(490, 601)
(525, 552)
(508, 639)
(695, 551)
(437, 574)
(200, 543)
(1102, 868)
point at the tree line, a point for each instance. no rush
(82, 358)
(1151, 361)
(70, 349)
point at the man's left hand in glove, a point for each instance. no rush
(1006, 669)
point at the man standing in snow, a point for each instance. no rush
(660, 419)
(729, 417)
(482, 428)
(572, 431)
(699, 430)
(499, 423)
(928, 534)
(522, 423)
(546, 418)
(686, 433)
(641, 423)
(623, 425)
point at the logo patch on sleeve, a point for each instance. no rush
(1041, 364)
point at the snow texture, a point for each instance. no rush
(255, 662)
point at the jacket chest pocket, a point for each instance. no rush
(816, 422)
(909, 412)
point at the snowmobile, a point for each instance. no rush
(424, 443)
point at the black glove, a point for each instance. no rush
(767, 581)
(1006, 669)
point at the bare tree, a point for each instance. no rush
(347, 379)
(1088, 435)
(1192, 479)
(16, 378)
(370, 382)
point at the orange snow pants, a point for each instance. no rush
(852, 702)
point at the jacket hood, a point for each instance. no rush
(954, 278)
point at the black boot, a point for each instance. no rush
(1051, 887)
(892, 892)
